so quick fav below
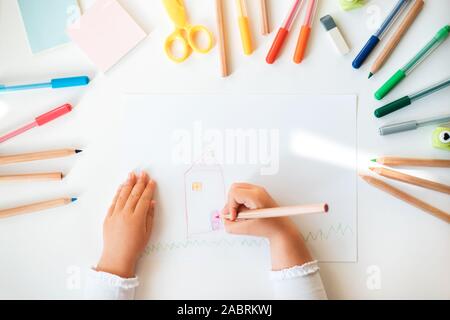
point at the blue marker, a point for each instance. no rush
(54, 84)
(373, 41)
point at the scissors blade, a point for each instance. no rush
(177, 12)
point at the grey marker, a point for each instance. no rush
(412, 125)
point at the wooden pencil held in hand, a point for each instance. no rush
(282, 211)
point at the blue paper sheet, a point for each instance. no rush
(46, 21)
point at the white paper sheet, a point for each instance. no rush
(289, 144)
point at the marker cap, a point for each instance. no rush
(246, 36)
(277, 45)
(301, 44)
(365, 52)
(53, 114)
(393, 106)
(443, 33)
(398, 127)
(390, 84)
(69, 82)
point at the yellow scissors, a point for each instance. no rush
(184, 32)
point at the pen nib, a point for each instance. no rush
(370, 75)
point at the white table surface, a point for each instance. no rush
(42, 255)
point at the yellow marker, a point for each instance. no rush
(244, 27)
(184, 33)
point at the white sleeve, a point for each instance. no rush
(299, 283)
(106, 286)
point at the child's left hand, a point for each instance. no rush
(128, 226)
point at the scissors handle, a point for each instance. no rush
(177, 36)
(193, 32)
(187, 37)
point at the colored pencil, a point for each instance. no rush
(412, 162)
(40, 206)
(37, 156)
(399, 194)
(397, 36)
(265, 30)
(406, 178)
(46, 176)
(282, 211)
(222, 39)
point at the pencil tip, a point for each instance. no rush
(74, 199)
(374, 160)
(370, 75)
(78, 151)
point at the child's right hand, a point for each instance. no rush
(287, 245)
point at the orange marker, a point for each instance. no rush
(283, 32)
(305, 32)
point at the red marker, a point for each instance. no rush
(283, 32)
(39, 121)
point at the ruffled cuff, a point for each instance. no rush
(295, 272)
(114, 280)
(105, 286)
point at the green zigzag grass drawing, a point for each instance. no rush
(338, 230)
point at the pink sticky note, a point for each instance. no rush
(106, 33)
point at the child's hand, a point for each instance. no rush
(127, 226)
(287, 245)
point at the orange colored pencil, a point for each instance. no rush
(406, 178)
(36, 156)
(47, 176)
(412, 162)
(222, 39)
(6, 213)
(399, 194)
(265, 18)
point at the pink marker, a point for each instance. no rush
(39, 121)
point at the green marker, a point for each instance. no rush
(407, 100)
(401, 74)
